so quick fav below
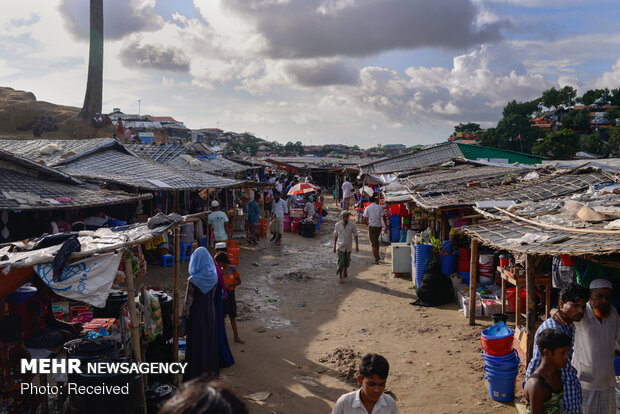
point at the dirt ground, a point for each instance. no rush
(304, 332)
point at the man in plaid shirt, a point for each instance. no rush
(572, 306)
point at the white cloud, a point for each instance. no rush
(610, 79)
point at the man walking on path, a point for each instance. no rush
(344, 234)
(278, 211)
(218, 220)
(374, 212)
(347, 192)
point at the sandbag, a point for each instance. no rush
(435, 288)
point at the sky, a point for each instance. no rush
(358, 72)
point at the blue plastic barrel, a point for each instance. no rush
(447, 247)
(465, 276)
(421, 259)
(501, 384)
(447, 263)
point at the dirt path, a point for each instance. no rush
(301, 346)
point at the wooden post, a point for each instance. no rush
(175, 302)
(531, 310)
(135, 323)
(503, 295)
(444, 227)
(473, 280)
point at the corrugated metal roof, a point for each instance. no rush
(171, 154)
(425, 158)
(314, 162)
(25, 185)
(125, 169)
(474, 152)
(68, 149)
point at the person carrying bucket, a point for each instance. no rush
(544, 389)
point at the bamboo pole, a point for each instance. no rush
(473, 280)
(531, 310)
(175, 302)
(135, 324)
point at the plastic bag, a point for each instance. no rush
(151, 316)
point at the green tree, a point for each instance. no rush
(526, 109)
(468, 128)
(299, 148)
(577, 120)
(506, 134)
(614, 97)
(559, 145)
(251, 147)
(612, 114)
(594, 144)
(552, 98)
(589, 97)
(614, 139)
(568, 95)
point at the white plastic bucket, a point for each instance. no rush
(410, 236)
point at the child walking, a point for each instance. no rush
(232, 280)
(544, 389)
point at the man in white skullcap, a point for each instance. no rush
(597, 336)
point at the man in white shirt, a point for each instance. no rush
(278, 211)
(369, 399)
(344, 234)
(597, 336)
(347, 192)
(309, 208)
(218, 219)
(279, 185)
(374, 213)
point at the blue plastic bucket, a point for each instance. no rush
(447, 263)
(501, 384)
(447, 247)
(421, 259)
(465, 276)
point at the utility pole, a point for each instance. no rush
(139, 109)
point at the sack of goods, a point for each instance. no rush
(435, 288)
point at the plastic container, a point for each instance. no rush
(485, 266)
(504, 261)
(483, 280)
(233, 256)
(447, 247)
(447, 263)
(59, 315)
(85, 317)
(497, 344)
(76, 310)
(462, 266)
(465, 276)
(295, 226)
(464, 254)
(22, 294)
(507, 362)
(510, 298)
(403, 235)
(421, 259)
(501, 384)
(232, 244)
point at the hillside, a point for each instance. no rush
(20, 110)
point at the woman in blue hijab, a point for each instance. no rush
(201, 354)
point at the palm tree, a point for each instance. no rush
(94, 85)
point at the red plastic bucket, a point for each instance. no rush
(462, 266)
(503, 261)
(497, 347)
(510, 298)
